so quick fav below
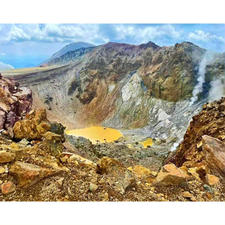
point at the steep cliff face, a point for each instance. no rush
(211, 122)
(127, 86)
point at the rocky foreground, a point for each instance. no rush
(38, 164)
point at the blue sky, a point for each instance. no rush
(27, 45)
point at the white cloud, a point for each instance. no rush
(147, 33)
(4, 66)
(52, 33)
(17, 33)
(200, 35)
(84, 32)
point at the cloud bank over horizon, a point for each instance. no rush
(36, 42)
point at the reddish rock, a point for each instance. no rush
(8, 187)
(11, 118)
(15, 102)
(2, 119)
(214, 150)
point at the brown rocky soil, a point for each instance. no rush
(45, 170)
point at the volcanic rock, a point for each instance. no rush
(2, 170)
(109, 166)
(15, 102)
(28, 174)
(188, 195)
(77, 159)
(214, 150)
(212, 180)
(93, 187)
(170, 175)
(203, 141)
(6, 157)
(8, 187)
(143, 173)
(118, 175)
(34, 126)
(57, 128)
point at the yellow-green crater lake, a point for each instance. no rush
(97, 133)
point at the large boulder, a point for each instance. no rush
(57, 128)
(28, 174)
(143, 173)
(214, 150)
(15, 102)
(34, 126)
(118, 176)
(171, 175)
(6, 157)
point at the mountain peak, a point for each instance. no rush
(186, 44)
(74, 46)
(149, 44)
(71, 47)
(116, 44)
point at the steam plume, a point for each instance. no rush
(217, 89)
(207, 58)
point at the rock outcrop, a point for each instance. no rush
(15, 102)
(214, 151)
(204, 141)
(28, 174)
(116, 174)
(33, 126)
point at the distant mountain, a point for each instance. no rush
(71, 47)
(78, 47)
(68, 57)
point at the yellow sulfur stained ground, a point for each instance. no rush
(102, 134)
(147, 142)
